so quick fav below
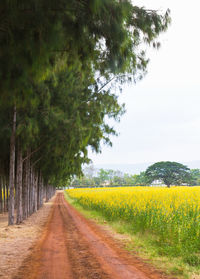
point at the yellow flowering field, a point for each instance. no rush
(171, 214)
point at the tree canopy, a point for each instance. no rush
(170, 173)
(57, 63)
(194, 178)
(56, 58)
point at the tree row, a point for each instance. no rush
(59, 60)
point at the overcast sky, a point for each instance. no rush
(162, 121)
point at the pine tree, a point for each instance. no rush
(57, 60)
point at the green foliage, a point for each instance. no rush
(192, 259)
(57, 60)
(194, 178)
(168, 172)
(108, 177)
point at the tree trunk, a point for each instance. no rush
(25, 189)
(39, 191)
(35, 191)
(1, 195)
(28, 171)
(42, 191)
(30, 192)
(7, 193)
(46, 192)
(4, 195)
(19, 186)
(12, 171)
(16, 188)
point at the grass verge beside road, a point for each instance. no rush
(143, 245)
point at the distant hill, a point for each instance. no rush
(137, 168)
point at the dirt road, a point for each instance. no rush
(72, 247)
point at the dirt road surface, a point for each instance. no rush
(72, 247)
(17, 241)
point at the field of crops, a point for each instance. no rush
(171, 215)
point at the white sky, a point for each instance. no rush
(162, 121)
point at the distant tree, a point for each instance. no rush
(117, 180)
(104, 175)
(97, 181)
(75, 182)
(168, 172)
(141, 179)
(194, 178)
(89, 171)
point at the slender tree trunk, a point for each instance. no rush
(28, 185)
(46, 192)
(16, 188)
(1, 195)
(7, 193)
(19, 186)
(12, 171)
(25, 189)
(42, 192)
(39, 189)
(31, 190)
(35, 191)
(4, 195)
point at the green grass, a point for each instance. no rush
(146, 245)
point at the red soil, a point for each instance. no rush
(72, 247)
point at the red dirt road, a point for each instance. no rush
(72, 247)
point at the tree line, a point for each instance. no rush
(58, 62)
(107, 177)
(161, 173)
